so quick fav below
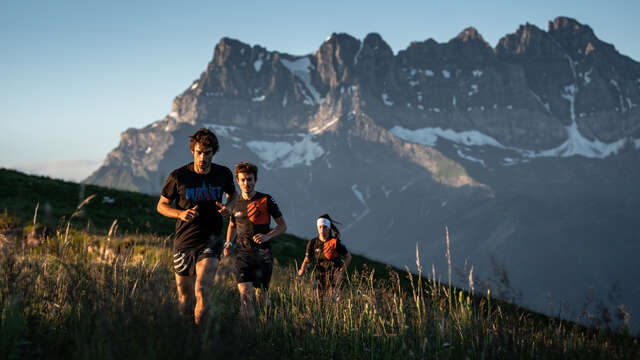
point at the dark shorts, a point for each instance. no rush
(184, 260)
(255, 267)
(325, 279)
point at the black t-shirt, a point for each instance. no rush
(188, 189)
(254, 217)
(328, 254)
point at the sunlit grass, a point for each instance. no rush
(90, 297)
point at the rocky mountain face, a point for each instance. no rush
(528, 152)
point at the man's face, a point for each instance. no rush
(202, 156)
(247, 182)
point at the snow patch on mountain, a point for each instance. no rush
(358, 216)
(257, 65)
(108, 200)
(576, 144)
(429, 136)
(587, 76)
(471, 158)
(320, 129)
(358, 194)
(355, 58)
(474, 89)
(282, 154)
(223, 130)
(301, 69)
(386, 101)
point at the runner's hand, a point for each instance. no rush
(226, 251)
(224, 211)
(300, 272)
(189, 214)
(261, 238)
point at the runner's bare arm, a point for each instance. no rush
(231, 233)
(343, 269)
(280, 228)
(347, 261)
(304, 265)
(164, 208)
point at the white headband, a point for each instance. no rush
(323, 221)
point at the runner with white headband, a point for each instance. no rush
(331, 258)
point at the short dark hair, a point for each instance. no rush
(247, 168)
(204, 137)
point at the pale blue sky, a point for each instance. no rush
(75, 74)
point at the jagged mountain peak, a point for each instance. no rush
(577, 39)
(568, 25)
(341, 46)
(469, 47)
(375, 42)
(423, 52)
(429, 43)
(340, 38)
(565, 37)
(336, 58)
(230, 49)
(528, 41)
(469, 34)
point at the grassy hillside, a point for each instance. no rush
(87, 294)
(57, 201)
(20, 193)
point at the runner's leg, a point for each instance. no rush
(185, 294)
(262, 280)
(205, 274)
(247, 311)
(336, 284)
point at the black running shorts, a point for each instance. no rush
(184, 260)
(255, 267)
(325, 279)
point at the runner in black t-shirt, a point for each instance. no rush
(197, 190)
(328, 252)
(250, 219)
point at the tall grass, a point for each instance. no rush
(82, 296)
